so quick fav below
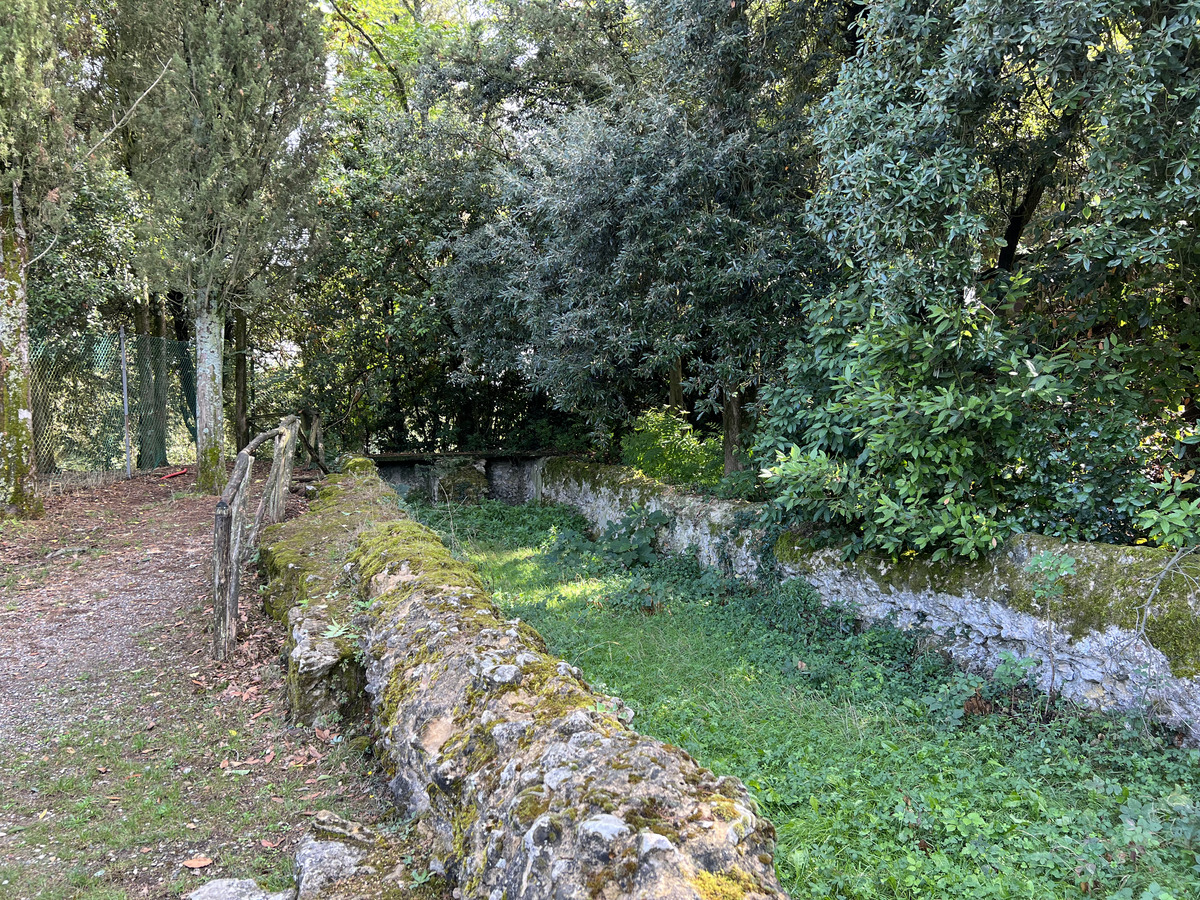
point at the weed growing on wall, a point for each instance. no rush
(888, 773)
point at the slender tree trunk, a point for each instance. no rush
(210, 414)
(241, 419)
(731, 430)
(676, 384)
(151, 441)
(18, 465)
(186, 361)
(161, 374)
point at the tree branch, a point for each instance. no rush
(128, 112)
(401, 93)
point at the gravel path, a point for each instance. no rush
(81, 588)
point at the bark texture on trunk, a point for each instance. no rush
(151, 420)
(18, 466)
(187, 362)
(210, 415)
(241, 417)
(731, 430)
(676, 384)
(161, 372)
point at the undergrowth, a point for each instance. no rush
(887, 772)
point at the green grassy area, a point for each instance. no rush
(887, 772)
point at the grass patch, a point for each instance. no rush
(888, 773)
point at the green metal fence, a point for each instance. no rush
(83, 385)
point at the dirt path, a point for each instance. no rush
(79, 587)
(127, 753)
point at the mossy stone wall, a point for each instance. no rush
(717, 529)
(527, 782)
(1102, 643)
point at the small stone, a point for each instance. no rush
(321, 863)
(579, 720)
(525, 658)
(605, 827)
(333, 825)
(509, 733)
(506, 674)
(556, 777)
(235, 889)
(542, 831)
(649, 842)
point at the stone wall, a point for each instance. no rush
(528, 783)
(717, 529)
(1102, 645)
(510, 479)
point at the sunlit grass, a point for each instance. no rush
(873, 795)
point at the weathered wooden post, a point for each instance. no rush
(233, 537)
(224, 611)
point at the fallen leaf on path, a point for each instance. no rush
(198, 862)
(271, 845)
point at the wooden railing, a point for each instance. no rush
(234, 538)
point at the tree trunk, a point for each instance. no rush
(161, 374)
(18, 466)
(210, 414)
(241, 419)
(731, 430)
(152, 436)
(676, 384)
(186, 362)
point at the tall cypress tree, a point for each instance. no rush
(28, 122)
(245, 86)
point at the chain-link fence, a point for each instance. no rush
(80, 385)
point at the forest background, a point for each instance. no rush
(921, 273)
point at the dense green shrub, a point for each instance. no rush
(664, 445)
(1009, 195)
(628, 542)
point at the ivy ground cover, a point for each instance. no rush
(888, 773)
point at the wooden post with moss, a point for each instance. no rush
(233, 538)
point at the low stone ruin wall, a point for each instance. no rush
(718, 530)
(528, 783)
(510, 479)
(1101, 645)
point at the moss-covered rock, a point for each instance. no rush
(528, 782)
(310, 589)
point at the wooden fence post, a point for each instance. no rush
(234, 537)
(224, 604)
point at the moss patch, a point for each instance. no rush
(1110, 586)
(731, 885)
